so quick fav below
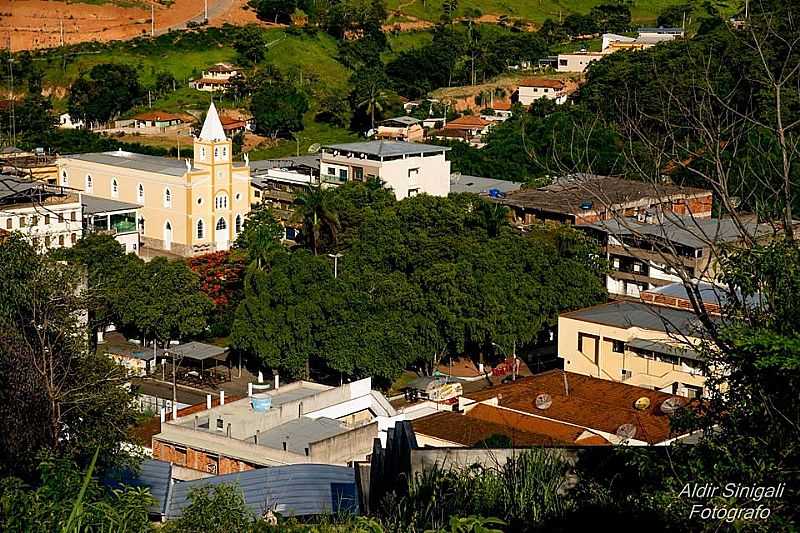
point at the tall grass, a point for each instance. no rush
(526, 492)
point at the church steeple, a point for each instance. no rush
(212, 127)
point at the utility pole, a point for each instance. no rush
(152, 20)
(13, 117)
(61, 24)
(205, 10)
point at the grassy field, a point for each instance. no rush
(643, 11)
(405, 41)
(314, 132)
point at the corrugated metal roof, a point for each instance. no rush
(94, 204)
(153, 474)
(627, 314)
(477, 185)
(199, 351)
(387, 148)
(293, 490)
(148, 163)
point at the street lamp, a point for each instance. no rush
(513, 355)
(336, 257)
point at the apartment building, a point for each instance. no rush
(658, 248)
(406, 168)
(644, 343)
(48, 215)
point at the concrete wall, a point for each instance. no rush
(576, 62)
(354, 445)
(426, 458)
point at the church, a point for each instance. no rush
(189, 207)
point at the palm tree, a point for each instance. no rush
(371, 95)
(494, 216)
(318, 215)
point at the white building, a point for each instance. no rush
(533, 89)
(121, 220)
(50, 216)
(216, 78)
(66, 122)
(406, 168)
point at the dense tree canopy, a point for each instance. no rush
(278, 109)
(109, 90)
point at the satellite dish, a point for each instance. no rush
(642, 403)
(314, 148)
(544, 401)
(626, 431)
(671, 405)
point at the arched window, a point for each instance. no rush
(202, 152)
(64, 178)
(221, 201)
(224, 151)
(167, 197)
(140, 193)
(89, 183)
(73, 238)
(216, 152)
(238, 225)
(200, 229)
(61, 240)
(114, 187)
(221, 224)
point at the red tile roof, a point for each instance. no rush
(542, 82)
(157, 115)
(484, 421)
(591, 403)
(468, 122)
(502, 106)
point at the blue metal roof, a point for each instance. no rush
(292, 490)
(153, 474)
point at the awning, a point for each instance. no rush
(664, 348)
(198, 351)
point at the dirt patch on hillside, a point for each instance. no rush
(31, 24)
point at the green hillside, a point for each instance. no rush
(537, 11)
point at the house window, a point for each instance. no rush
(60, 218)
(358, 174)
(413, 192)
(221, 225)
(617, 346)
(413, 172)
(9, 223)
(343, 174)
(64, 178)
(89, 183)
(331, 171)
(202, 152)
(580, 342)
(562, 62)
(73, 217)
(200, 229)
(47, 220)
(73, 238)
(216, 152)
(220, 424)
(140, 193)
(61, 240)
(238, 225)
(23, 222)
(224, 151)
(47, 241)
(34, 220)
(167, 198)
(114, 187)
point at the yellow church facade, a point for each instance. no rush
(189, 207)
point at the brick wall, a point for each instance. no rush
(199, 460)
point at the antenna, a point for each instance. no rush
(543, 401)
(671, 405)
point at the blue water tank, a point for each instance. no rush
(261, 404)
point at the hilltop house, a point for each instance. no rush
(405, 128)
(532, 89)
(189, 207)
(216, 78)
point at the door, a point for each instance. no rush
(221, 234)
(167, 236)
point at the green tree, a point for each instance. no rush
(72, 398)
(162, 301)
(370, 92)
(249, 43)
(274, 10)
(278, 109)
(109, 90)
(317, 212)
(260, 236)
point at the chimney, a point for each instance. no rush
(249, 390)
(195, 421)
(222, 397)
(208, 401)
(163, 411)
(277, 381)
(228, 432)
